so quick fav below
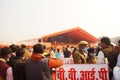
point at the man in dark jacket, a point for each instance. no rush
(109, 53)
(17, 63)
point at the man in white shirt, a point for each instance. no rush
(118, 50)
(116, 70)
(118, 61)
(5, 69)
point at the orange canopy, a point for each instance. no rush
(71, 35)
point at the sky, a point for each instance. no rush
(27, 19)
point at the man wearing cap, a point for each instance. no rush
(79, 56)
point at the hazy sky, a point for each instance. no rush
(26, 19)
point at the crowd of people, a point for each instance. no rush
(37, 63)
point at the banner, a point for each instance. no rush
(82, 72)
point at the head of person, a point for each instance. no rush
(5, 53)
(23, 46)
(38, 48)
(58, 50)
(13, 47)
(20, 52)
(118, 42)
(83, 45)
(67, 46)
(105, 42)
(91, 52)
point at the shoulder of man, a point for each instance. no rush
(54, 62)
(111, 51)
